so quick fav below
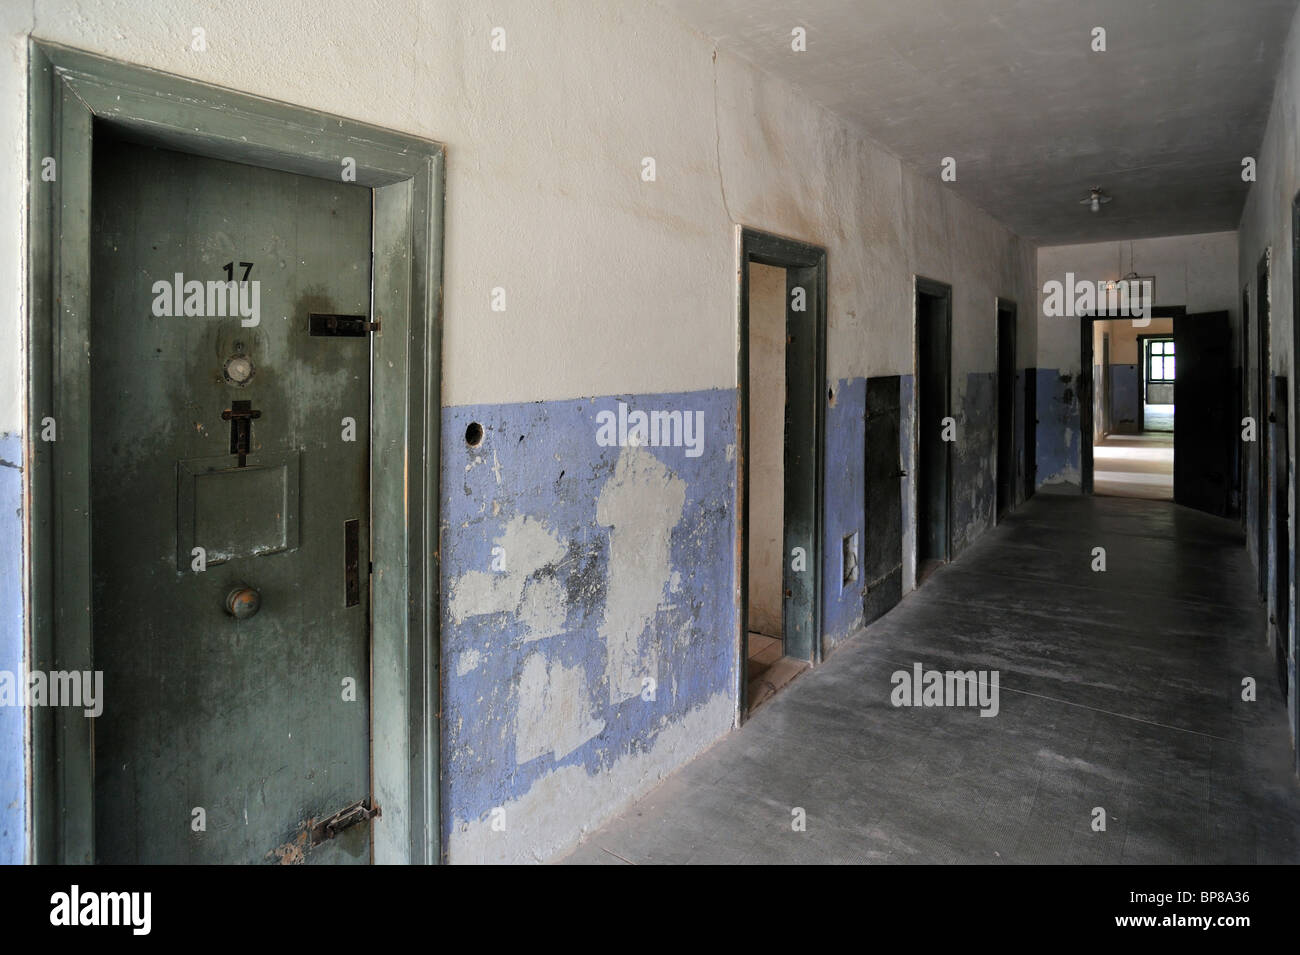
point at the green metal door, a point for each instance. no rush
(230, 462)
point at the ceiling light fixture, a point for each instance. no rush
(1095, 199)
(1132, 283)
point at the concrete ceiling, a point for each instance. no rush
(1034, 118)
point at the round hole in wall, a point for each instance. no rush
(474, 434)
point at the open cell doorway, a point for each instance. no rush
(1135, 367)
(933, 479)
(782, 362)
(766, 666)
(1141, 376)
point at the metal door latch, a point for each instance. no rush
(241, 415)
(340, 326)
(325, 829)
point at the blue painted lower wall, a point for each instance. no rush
(13, 735)
(1058, 434)
(589, 614)
(845, 508)
(974, 494)
(1125, 399)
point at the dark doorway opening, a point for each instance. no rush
(1121, 459)
(1031, 431)
(934, 401)
(1006, 487)
(1104, 403)
(1280, 613)
(882, 560)
(782, 373)
(1243, 402)
(1263, 365)
(1202, 460)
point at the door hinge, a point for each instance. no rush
(326, 829)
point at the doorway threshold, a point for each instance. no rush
(927, 567)
(772, 680)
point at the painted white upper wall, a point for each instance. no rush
(1198, 272)
(613, 284)
(1266, 218)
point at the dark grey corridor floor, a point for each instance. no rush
(1119, 690)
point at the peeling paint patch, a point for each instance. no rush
(640, 504)
(553, 713)
(974, 497)
(526, 545)
(555, 813)
(467, 662)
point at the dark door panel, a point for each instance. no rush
(1006, 463)
(1031, 431)
(1203, 429)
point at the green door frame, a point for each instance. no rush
(805, 265)
(69, 91)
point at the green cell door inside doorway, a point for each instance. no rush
(230, 508)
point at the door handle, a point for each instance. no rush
(243, 602)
